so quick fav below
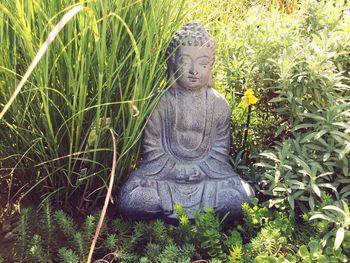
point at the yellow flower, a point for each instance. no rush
(184, 220)
(249, 98)
(179, 209)
(210, 210)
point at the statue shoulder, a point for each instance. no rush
(163, 100)
(220, 102)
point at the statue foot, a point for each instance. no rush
(230, 200)
(139, 202)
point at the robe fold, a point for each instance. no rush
(185, 159)
(162, 151)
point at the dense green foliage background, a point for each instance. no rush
(106, 69)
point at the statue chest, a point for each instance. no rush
(189, 126)
(190, 122)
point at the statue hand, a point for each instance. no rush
(146, 182)
(194, 175)
(188, 174)
(180, 174)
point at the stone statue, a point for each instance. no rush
(186, 141)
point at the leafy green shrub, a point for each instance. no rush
(312, 253)
(338, 227)
(297, 65)
(291, 63)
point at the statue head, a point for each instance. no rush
(191, 55)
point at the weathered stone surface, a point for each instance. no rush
(186, 141)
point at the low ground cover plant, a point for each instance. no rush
(264, 235)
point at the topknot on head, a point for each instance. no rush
(192, 34)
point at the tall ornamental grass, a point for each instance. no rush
(102, 71)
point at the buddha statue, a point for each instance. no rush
(186, 141)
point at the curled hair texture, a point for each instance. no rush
(192, 34)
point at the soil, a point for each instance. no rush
(8, 214)
(10, 206)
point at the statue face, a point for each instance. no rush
(193, 66)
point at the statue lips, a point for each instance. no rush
(193, 78)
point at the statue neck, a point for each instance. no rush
(196, 92)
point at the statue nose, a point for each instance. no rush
(193, 70)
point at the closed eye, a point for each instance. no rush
(184, 60)
(204, 61)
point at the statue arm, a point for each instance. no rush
(154, 158)
(217, 165)
(221, 147)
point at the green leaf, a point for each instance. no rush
(303, 126)
(343, 135)
(303, 252)
(325, 238)
(345, 151)
(320, 134)
(345, 195)
(339, 237)
(346, 167)
(288, 167)
(346, 209)
(298, 193)
(308, 137)
(275, 201)
(324, 174)
(314, 247)
(321, 216)
(326, 156)
(270, 156)
(291, 201)
(330, 186)
(311, 203)
(305, 167)
(323, 259)
(334, 208)
(296, 184)
(277, 99)
(315, 147)
(345, 189)
(264, 165)
(279, 189)
(343, 180)
(316, 190)
(314, 116)
(342, 125)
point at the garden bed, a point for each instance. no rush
(103, 73)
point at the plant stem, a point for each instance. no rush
(246, 130)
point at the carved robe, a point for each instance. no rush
(186, 158)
